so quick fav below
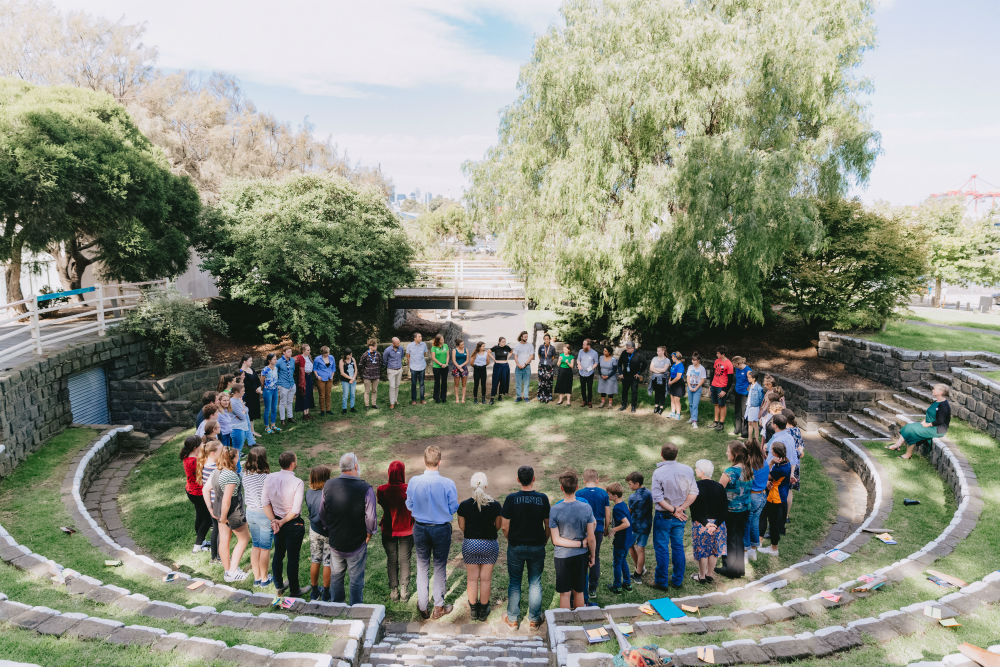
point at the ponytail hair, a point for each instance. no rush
(479, 494)
(190, 444)
(207, 449)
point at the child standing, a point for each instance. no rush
(695, 377)
(741, 386)
(621, 531)
(319, 541)
(597, 498)
(777, 496)
(640, 506)
(755, 398)
(675, 385)
(240, 435)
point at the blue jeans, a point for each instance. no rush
(668, 536)
(751, 536)
(619, 560)
(417, 380)
(270, 397)
(517, 557)
(594, 573)
(238, 438)
(431, 541)
(522, 381)
(347, 389)
(694, 400)
(354, 566)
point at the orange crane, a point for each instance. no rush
(970, 190)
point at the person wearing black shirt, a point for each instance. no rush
(630, 366)
(479, 521)
(525, 522)
(501, 370)
(708, 521)
(251, 382)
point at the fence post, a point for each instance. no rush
(101, 327)
(36, 329)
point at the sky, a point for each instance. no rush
(417, 86)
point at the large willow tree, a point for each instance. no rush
(662, 154)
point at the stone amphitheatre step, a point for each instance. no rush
(981, 365)
(444, 650)
(873, 427)
(921, 393)
(855, 429)
(886, 419)
(910, 404)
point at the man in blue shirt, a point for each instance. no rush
(393, 360)
(600, 503)
(286, 386)
(741, 388)
(416, 358)
(586, 362)
(432, 499)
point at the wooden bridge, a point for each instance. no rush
(462, 284)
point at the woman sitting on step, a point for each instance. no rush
(935, 423)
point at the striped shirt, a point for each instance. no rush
(253, 486)
(206, 472)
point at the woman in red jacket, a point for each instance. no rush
(202, 519)
(397, 530)
(304, 381)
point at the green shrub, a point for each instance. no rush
(175, 328)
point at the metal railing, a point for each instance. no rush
(42, 327)
(461, 273)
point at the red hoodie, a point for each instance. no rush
(396, 519)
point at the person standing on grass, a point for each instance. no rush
(432, 499)
(640, 507)
(440, 352)
(480, 360)
(460, 369)
(370, 368)
(324, 368)
(282, 495)
(722, 383)
(193, 488)
(525, 524)
(304, 381)
(208, 461)
(675, 385)
(586, 364)
(564, 380)
(630, 368)
(546, 368)
(319, 541)
(758, 497)
(622, 538)
(269, 393)
(674, 490)
(393, 360)
(286, 386)
(416, 359)
(708, 522)
(784, 435)
(501, 370)
(741, 390)
(479, 520)
(696, 376)
(232, 515)
(208, 398)
(348, 381)
(607, 383)
(261, 534)
(350, 516)
(227, 420)
(240, 434)
(659, 370)
(777, 497)
(574, 545)
(755, 398)
(397, 531)
(209, 411)
(250, 382)
(799, 451)
(737, 480)
(600, 504)
(524, 354)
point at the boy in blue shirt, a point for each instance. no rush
(599, 502)
(741, 387)
(621, 530)
(640, 506)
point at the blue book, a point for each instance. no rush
(666, 608)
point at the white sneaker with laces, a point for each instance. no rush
(235, 575)
(769, 551)
(196, 549)
(752, 553)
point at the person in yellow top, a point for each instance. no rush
(439, 364)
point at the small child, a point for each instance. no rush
(319, 542)
(209, 412)
(800, 450)
(597, 498)
(208, 459)
(240, 435)
(777, 497)
(640, 506)
(773, 408)
(621, 531)
(755, 398)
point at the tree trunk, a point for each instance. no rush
(71, 262)
(938, 301)
(13, 277)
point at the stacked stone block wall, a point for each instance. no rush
(815, 406)
(976, 400)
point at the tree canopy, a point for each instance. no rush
(661, 156)
(79, 177)
(311, 251)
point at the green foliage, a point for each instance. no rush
(444, 220)
(865, 266)
(962, 250)
(314, 250)
(175, 328)
(76, 171)
(662, 156)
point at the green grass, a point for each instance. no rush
(993, 375)
(955, 318)
(25, 646)
(550, 437)
(916, 337)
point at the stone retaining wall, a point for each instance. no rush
(815, 406)
(156, 404)
(976, 400)
(34, 396)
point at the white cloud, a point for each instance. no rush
(333, 48)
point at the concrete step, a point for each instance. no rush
(982, 365)
(909, 404)
(854, 429)
(877, 430)
(887, 419)
(834, 434)
(922, 394)
(940, 378)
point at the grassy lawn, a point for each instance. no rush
(951, 317)
(916, 337)
(993, 375)
(24, 646)
(497, 439)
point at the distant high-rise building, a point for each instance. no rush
(427, 198)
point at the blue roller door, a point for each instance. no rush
(88, 397)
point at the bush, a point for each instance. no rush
(175, 328)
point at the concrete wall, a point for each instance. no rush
(815, 406)
(976, 399)
(34, 396)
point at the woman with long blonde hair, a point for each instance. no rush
(231, 514)
(479, 520)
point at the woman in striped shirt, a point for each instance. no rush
(258, 517)
(207, 459)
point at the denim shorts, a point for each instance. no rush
(261, 534)
(641, 539)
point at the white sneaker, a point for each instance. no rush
(694, 424)
(235, 575)
(196, 549)
(752, 554)
(768, 551)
